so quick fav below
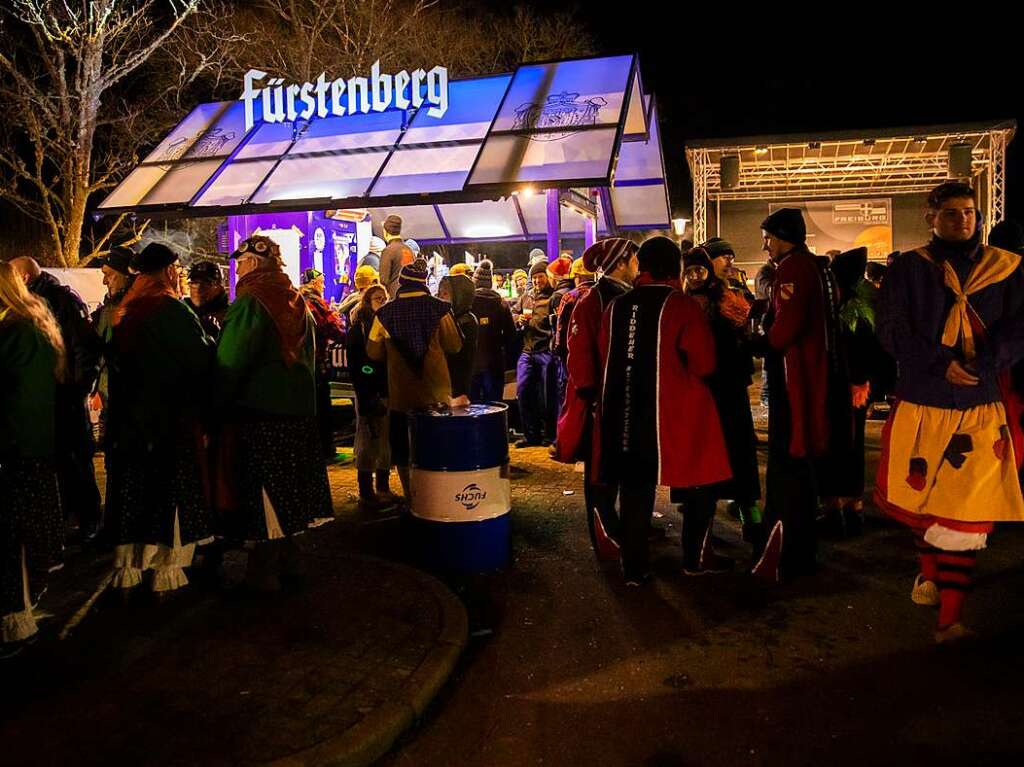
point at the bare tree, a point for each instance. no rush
(299, 39)
(76, 114)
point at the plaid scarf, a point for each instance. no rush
(411, 320)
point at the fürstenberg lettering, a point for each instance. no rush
(286, 103)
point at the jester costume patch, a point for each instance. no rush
(949, 465)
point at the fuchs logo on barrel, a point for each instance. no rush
(470, 496)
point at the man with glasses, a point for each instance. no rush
(952, 315)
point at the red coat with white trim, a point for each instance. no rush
(584, 369)
(802, 313)
(657, 420)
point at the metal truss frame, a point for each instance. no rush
(848, 167)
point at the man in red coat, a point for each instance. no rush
(615, 259)
(657, 419)
(799, 357)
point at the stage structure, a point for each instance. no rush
(873, 165)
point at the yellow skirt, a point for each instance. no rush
(949, 464)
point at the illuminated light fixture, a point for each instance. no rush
(761, 150)
(485, 231)
(353, 214)
(528, 191)
(679, 226)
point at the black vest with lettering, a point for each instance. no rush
(629, 425)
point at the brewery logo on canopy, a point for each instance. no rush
(561, 110)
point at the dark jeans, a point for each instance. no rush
(323, 415)
(398, 425)
(76, 477)
(561, 373)
(600, 501)
(791, 487)
(487, 387)
(537, 383)
(636, 502)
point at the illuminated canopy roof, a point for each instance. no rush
(473, 173)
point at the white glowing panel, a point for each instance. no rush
(418, 221)
(482, 220)
(422, 171)
(290, 242)
(321, 177)
(566, 94)
(586, 155)
(640, 206)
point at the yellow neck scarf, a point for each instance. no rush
(994, 265)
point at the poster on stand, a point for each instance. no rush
(846, 224)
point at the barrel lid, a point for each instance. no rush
(474, 410)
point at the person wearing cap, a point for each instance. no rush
(437, 270)
(370, 381)
(271, 461)
(583, 281)
(614, 259)
(117, 278)
(365, 276)
(729, 383)
(157, 508)
(395, 255)
(496, 338)
(952, 314)
(74, 438)
(802, 355)
(207, 296)
(536, 378)
(458, 290)
(413, 333)
(657, 422)
(562, 281)
(842, 486)
(372, 257)
(328, 330)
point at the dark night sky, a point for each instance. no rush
(740, 71)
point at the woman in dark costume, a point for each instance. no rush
(727, 312)
(264, 386)
(160, 358)
(31, 525)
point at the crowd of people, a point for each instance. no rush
(635, 359)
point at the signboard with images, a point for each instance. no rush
(846, 224)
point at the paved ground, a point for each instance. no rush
(328, 675)
(567, 666)
(564, 664)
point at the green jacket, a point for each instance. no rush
(159, 380)
(27, 391)
(251, 371)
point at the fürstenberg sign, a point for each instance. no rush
(286, 103)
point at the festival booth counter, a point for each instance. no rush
(556, 148)
(559, 147)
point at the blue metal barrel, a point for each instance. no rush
(461, 494)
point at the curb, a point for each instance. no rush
(370, 739)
